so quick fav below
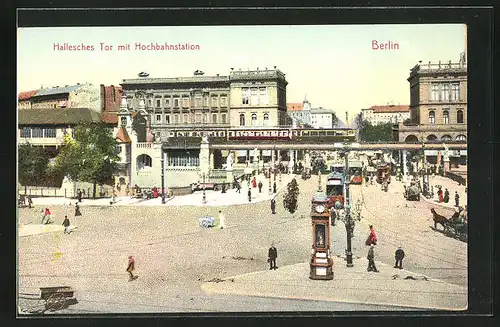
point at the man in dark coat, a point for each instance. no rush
(274, 187)
(77, 210)
(66, 225)
(457, 199)
(131, 267)
(249, 195)
(371, 260)
(273, 206)
(260, 186)
(272, 255)
(79, 196)
(399, 255)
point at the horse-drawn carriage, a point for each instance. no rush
(456, 226)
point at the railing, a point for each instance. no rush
(87, 193)
(144, 145)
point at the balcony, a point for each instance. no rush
(144, 145)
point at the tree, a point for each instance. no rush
(375, 133)
(91, 157)
(291, 196)
(32, 161)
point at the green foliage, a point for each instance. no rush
(374, 133)
(91, 156)
(290, 201)
(33, 161)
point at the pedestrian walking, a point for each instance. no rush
(372, 237)
(446, 196)
(223, 188)
(272, 255)
(371, 260)
(66, 225)
(260, 186)
(30, 202)
(254, 182)
(274, 187)
(249, 195)
(77, 210)
(79, 196)
(222, 220)
(457, 199)
(399, 255)
(273, 206)
(238, 187)
(47, 215)
(333, 216)
(440, 195)
(131, 268)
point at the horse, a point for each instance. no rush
(438, 219)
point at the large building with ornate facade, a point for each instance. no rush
(438, 103)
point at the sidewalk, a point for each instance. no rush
(213, 198)
(452, 186)
(349, 285)
(35, 229)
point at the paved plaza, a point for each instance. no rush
(185, 268)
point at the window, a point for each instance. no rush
(223, 118)
(176, 103)
(26, 132)
(446, 138)
(254, 119)
(198, 118)
(185, 118)
(432, 117)
(118, 148)
(460, 117)
(445, 95)
(167, 102)
(205, 101)
(123, 121)
(242, 119)
(158, 103)
(214, 102)
(49, 132)
(455, 92)
(263, 96)
(205, 118)
(158, 118)
(214, 118)
(167, 119)
(176, 119)
(37, 132)
(183, 159)
(254, 96)
(223, 102)
(245, 95)
(143, 161)
(461, 138)
(185, 102)
(149, 103)
(446, 117)
(198, 102)
(435, 91)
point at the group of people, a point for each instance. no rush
(372, 241)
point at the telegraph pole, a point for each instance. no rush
(162, 177)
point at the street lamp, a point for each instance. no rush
(349, 224)
(204, 199)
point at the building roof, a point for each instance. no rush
(321, 111)
(123, 136)
(26, 95)
(390, 108)
(294, 106)
(56, 116)
(58, 90)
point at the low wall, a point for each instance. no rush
(457, 177)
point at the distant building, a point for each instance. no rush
(299, 113)
(386, 114)
(322, 118)
(70, 96)
(24, 99)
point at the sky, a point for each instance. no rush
(335, 66)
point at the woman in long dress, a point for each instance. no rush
(77, 210)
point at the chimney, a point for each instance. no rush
(346, 118)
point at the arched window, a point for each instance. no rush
(242, 119)
(460, 117)
(123, 121)
(432, 117)
(446, 117)
(461, 137)
(446, 138)
(143, 161)
(431, 138)
(254, 119)
(411, 139)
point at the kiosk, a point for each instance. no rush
(321, 262)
